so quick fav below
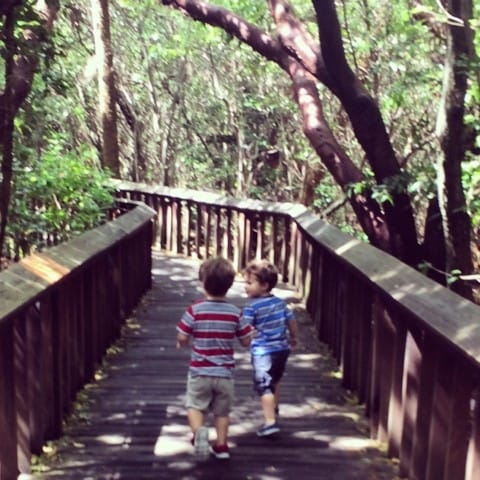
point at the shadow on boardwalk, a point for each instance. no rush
(131, 423)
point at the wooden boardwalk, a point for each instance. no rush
(131, 423)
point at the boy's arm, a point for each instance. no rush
(246, 341)
(292, 326)
(184, 328)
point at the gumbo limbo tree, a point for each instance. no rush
(307, 61)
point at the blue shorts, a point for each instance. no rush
(268, 369)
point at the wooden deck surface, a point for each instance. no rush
(131, 423)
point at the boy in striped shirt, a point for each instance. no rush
(276, 333)
(212, 324)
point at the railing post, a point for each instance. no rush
(473, 456)
(8, 421)
(395, 420)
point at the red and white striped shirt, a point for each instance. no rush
(213, 326)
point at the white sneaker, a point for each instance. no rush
(201, 444)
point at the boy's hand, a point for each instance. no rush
(182, 340)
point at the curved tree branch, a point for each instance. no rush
(300, 44)
(370, 131)
(315, 127)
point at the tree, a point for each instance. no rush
(452, 135)
(21, 64)
(106, 86)
(390, 224)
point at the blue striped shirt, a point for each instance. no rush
(270, 316)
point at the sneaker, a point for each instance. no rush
(266, 430)
(220, 451)
(200, 442)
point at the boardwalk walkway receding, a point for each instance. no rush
(131, 423)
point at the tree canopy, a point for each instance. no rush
(366, 111)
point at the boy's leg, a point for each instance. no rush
(269, 370)
(268, 407)
(263, 366)
(221, 426)
(277, 397)
(279, 363)
(195, 419)
(221, 406)
(198, 399)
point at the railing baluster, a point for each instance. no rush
(473, 455)
(8, 421)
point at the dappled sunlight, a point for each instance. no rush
(115, 439)
(44, 267)
(387, 274)
(466, 333)
(416, 290)
(238, 429)
(344, 443)
(347, 246)
(304, 360)
(117, 416)
(176, 409)
(173, 440)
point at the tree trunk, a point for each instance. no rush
(106, 86)
(370, 132)
(6, 124)
(452, 135)
(20, 67)
(139, 168)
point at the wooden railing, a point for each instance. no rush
(408, 348)
(59, 312)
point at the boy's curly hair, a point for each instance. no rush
(264, 271)
(217, 275)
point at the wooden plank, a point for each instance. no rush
(135, 422)
(8, 421)
(190, 229)
(22, 393)
(473, 455)
(23, 282)
(395, 420)
(460, 422)
(442, 406)
(219, 234)
(47, 404)
(420, 359)
(179, 211)
(198, 231)
(439, 309)
(364, 367)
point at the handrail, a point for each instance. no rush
(408, 347)
(59, 312)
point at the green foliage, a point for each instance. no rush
(61, 195)
(210, 109)
(471, 184)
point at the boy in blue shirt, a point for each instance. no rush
(277, 332)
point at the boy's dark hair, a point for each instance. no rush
(264, 271)
(217, 275)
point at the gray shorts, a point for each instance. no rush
(213, 394)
